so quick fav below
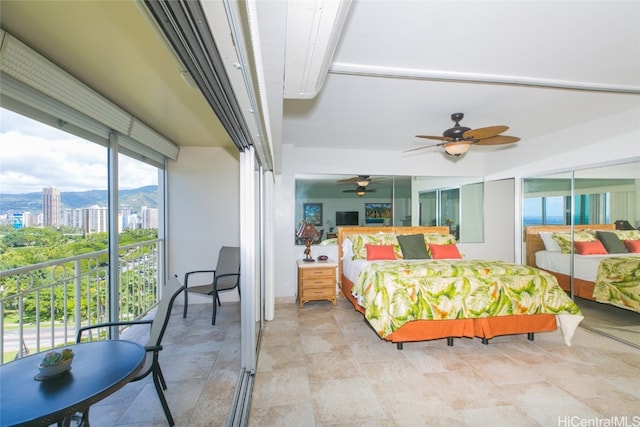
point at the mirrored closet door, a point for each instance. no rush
(573, 225)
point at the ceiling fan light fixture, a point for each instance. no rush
(362, 183)
(457, 148)
(360, 191)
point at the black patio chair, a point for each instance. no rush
(225, 277)
(158, 327)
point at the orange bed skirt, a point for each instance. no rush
(485, 328)
(581, 288)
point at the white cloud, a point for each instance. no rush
(34, 156)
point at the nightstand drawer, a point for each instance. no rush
(319, 282)
(310, 273)
(312, 293)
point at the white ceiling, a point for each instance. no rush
(112, 47)
(584, 43)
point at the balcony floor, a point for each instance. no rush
(200, 363)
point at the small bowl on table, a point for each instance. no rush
(55, 364)
(55, 370)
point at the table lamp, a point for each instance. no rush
(307, 232)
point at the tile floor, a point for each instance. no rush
(323, 366)
(200, 363)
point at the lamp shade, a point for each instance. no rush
(457, 148)
(307, 231)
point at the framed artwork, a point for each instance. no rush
(376, 213)
(312, 213)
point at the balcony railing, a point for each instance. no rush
(43, 305)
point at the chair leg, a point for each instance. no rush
(84, 421)
(186, 304)
(215, 309)
(163, 401)
(163, 383)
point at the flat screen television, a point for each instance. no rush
(347, 218)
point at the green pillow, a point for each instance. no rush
(612, 242)
(413, 246)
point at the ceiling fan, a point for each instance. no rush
(360, 190)
(362, 182)
(458, 139)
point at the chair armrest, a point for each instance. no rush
(215, 278)
(109, 324)
(227, 275)
(154, 348)
(186, 275)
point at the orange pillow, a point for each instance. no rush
(632, 245)
(379, 252)
(590, 248)
(444, 251)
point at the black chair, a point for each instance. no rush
(154, 345)
(225, 277)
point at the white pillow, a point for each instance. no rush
(347, 249)
(549, 243)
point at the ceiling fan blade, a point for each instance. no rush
(354, 179)
(483, 133)
(373, 190)
(498, 140)
(439, 138)
(426, 146)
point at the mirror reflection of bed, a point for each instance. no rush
(605, 287)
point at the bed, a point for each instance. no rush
(412, 316)
(611, 278)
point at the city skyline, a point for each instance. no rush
(34, 156)
(92, 219)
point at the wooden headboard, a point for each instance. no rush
(533, 241)
(343, 232)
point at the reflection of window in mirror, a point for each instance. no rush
(546, 200)
(601, 196)
(450, 210)
(428, 211)
(460, 208)
(607, 194)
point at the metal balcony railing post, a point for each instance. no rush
(77, 292)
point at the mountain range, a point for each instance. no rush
(32, 202)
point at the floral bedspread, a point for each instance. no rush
(618, 282)
(396, 292)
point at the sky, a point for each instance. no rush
(34, 156)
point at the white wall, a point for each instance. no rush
(607, 140)
(204, 208)
(285, 279)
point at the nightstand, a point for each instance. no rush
(316, 281)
